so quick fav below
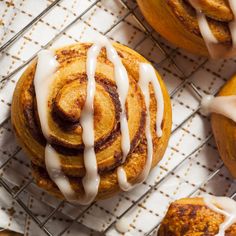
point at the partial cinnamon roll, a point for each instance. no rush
(200, 216)
(93, 117)
(204, 27)
(223, 121)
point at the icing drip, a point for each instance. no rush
(210, 40)
(122, 82)
(147, 75)
(46, 66)
(91, 179)
(223, 105)
(53, 167)
(224, 206)
(216, 49)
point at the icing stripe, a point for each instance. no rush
(91, 179)
(147, 75)
(223, 105)
(53, 166)
(46, 66)
(224, 206)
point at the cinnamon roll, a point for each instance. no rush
(204, 27)
(207, 215)
(93, 117)
(223, 122)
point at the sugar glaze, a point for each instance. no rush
(223, 105)
(147, 75)
(224, 206)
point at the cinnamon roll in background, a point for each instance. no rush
(93, 118)
(223, 122)
(206, 216)
(204, 27)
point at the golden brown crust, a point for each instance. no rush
(66, 100)
(191, 217)
(224, 131)
(181, 28)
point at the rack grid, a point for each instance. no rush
(131, 9)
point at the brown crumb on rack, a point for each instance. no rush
(1, 22)
(11, 211)
(10, 3)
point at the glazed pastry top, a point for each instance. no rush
(91, 122)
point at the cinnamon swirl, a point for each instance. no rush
(93, 118)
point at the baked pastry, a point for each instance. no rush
(223, 122)
(206, 216)
(86, 118)
(204, 27)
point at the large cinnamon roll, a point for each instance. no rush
(223, 121)
(205, 27)
(206, 216)
(93, 118)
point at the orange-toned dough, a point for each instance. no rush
(65, 102)
(191, 217)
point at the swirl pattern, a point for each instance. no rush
(65, 102)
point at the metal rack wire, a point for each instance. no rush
(186, 82)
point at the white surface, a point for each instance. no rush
(181, 183)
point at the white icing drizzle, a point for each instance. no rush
(53, 166)
(210, 40)
(91, 179)
(122, 225)
(147, 75)
(224, 105)
(215, 48)
(224, 206)
(46, 66)
(122, 82)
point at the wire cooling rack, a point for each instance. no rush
(185, 74)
